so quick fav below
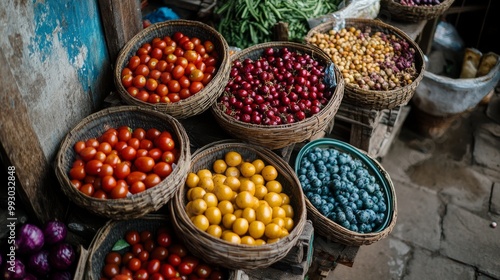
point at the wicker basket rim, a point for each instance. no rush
(418, 7)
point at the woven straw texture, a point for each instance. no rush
(230, 255)
(197, 103)
(138, 204)
(280, 136)
(377, 99)
(113, 231)
(325, 227)
(404, 13)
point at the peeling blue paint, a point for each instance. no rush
(77, 26)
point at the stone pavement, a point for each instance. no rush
(448, 195)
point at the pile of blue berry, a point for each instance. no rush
(342, 189)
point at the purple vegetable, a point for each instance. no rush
(38, 263)
(14, 270)
(30, 239)
(54, 232)
(61, 275)
(62, 255)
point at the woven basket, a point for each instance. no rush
(280, 136)
(218, 251)
(325, 227)
(197, 103)
(113, 231)
(404, 13)
(138, 204)
(377, 99)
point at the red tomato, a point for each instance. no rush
(135, 176)
(100, 194)
(154, 98)
(195, 87)
(178, 72)
(174, 260)
(182, 61)
(168, 271)
(112, 159)
(134, 143)
(105, 147)
(160, 253)
(178, 249)
(173, 86)
(100, 156)
(142, 153)
(165, 143)
(184, 82)
(164, 239)
(120, 191)
(152, 133)
(76, 183)
(111, 270)
(152, 63)
(139, 133)
(185, 268)
(161, 65)
(184, 93)
(113, 257)
(126, 71)
(174, 97)
(157, 276)
(203, 271)
(144, 58)
(87, 189)
(152, 180)
(142, 69)
(133, 91)
(127, 256)
(106, 170)
(122, 277)
(196, 75)
(162, 90)
(155, 154)
(139, 81)
(108, 183)
(77, 173)
(153, 266)
(134, 264)
(88, 153)
(162, 169)
(155, 74)
(137, 249)
(137, 187)
(146, 235)
(168, 157)
(132, 237)
(128, 153)
(120, 146)
(142, 95)
(151, 84)
(93, 167)
(133, 62)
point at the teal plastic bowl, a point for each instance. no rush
(382, 178)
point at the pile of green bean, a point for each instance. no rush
(244, 23)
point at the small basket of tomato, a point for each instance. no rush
(146, 248)
(178, 67)
(241, 206)
(123, 162)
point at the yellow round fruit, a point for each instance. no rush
(272, 231)
(244, 199)
(213, 215)
(223, 192)
(233, 158)
(215, 231)
(231, 237)
(259, 165)
(269, 173)
(219, 166)
(279, 221)
(256, 203)
(256, 229)
(279, 212)
(247, 169)
(289, 223)
(247, 240)
(204, 173)
(219, 179)
(206, 183)
(189, 211)
(195, 193)
(211, 199)
(274, 186)
(240, 226)
(264, 213)
(260, 191)
(258, 179)
(228, 220)
(201, 222)
(238, 213)
(233, 182)
(225, 207)
(273, 199)
(249, 214)
(198, 206)
(288, 210)
(232, 171)
(284, 233)
(272, 240)
(192, 180)
(286, 198)
(259, 242)
(247, 185)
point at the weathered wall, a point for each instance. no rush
(54, 71)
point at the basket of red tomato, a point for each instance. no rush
(146, 248)
(123, 162)
(177, 67)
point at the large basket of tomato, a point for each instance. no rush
(123, 162)
(178, 67)
(381, 65)
(241, 206)
(350, 198)
(146, 248)
(279, 93)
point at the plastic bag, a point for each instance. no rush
(367, 9)
(446, 37)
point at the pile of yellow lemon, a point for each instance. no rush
(239, 201)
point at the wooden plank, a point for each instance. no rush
(121, 20)
(43, 199)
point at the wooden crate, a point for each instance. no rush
(370, 130)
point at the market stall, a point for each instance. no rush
(244, 142)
